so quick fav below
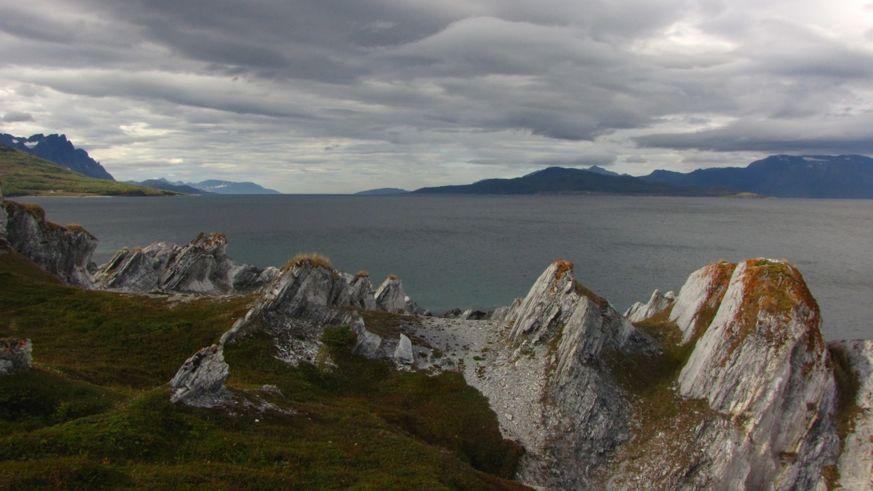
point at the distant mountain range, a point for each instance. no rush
(230, 187)
(562, 180)
(209, 186)
(57, 149)
(784, 176)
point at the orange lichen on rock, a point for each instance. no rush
(562, 267)
(313, 259)
(775, 289)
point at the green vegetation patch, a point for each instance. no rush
(102, 337)
(94, 413)
(649, 379)
(23, 174)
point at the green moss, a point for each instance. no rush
(649, 379)
(585, 292)
(106, 338)
(391, 326)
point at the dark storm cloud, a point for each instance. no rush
(417, 92)
(17, 117)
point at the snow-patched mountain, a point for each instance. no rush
(57, 149)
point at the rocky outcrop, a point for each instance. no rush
(62, 251)
(404, 354)
(699, 298)
(391, 297)
(361, 291)
(553, 390)
(763, 364)
(295, 309)
(854, 360)
(200, 380)
(15, 355)
(744, 396)
(200, 267)
(657, 304)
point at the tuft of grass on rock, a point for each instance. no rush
(312, 258)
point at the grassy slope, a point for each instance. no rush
(24, 174)
(94, 413)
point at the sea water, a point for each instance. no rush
(483, 251)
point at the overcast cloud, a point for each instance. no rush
(343, 95)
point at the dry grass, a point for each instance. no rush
(362, 274)
(76, 228)
(30, 208)
(312, 258)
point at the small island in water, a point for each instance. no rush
(173, 364)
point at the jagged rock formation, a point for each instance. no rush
(15, 355)
(404, 354)
(550, 386)
(361, 292)
(201, 267)
(295, 309)
(856, 460)
(391, 297)
(298, 305)
(62, 251)
(200, 380)
(699, 298)
(745, 396)
(658, 303)
(763, 364)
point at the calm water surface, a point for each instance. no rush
(483, 251)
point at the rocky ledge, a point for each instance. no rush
(63, 251)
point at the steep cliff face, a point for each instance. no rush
(763, 364)
(201, 266)
(699, 298)
(62, 251)
(853, 361)
(552, 388)
(361, 291)
(391, 297)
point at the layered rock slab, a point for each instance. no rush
(199, 267)
(550, 385)
(63, 251)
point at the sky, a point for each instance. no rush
(327, 96)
